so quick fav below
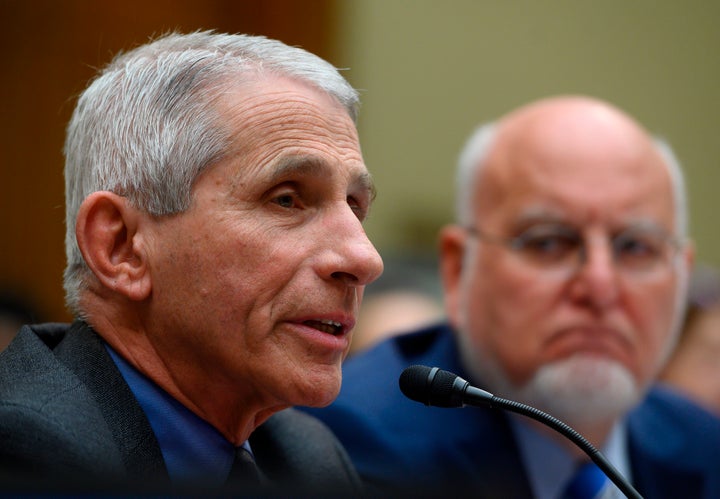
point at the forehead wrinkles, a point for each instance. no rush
(280, 128)
(275, 114)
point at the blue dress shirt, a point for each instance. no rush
(193, 450)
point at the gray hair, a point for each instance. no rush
(147, 126)
(477, 148)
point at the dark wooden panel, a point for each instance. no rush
(49, 50)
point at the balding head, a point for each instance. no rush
(560, 125)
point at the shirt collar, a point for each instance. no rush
(549, 466)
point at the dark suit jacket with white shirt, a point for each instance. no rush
(402, 446)
(68, 419)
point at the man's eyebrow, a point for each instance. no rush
(305, 165)
(315, 167)
(365, 182)
(540, 214)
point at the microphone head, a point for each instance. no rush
(432, 386)
(414, 381)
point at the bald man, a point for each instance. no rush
(564, 278)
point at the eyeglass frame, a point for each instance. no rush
(671, 244)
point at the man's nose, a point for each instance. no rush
(350, 257)
(597, 277)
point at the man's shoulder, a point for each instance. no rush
(35, 338)
(48, 420)
(28, 367)
(667, 412)
(35, 381)
(674, 445)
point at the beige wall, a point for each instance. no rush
(431, 70)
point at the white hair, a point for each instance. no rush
(147, 125)
(471, 160)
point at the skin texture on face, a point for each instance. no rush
(255, 288)
(583, 164)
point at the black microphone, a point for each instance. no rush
(435, 387)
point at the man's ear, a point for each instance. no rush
(452, 251)
(107, 234)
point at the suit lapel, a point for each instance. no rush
(83, 352)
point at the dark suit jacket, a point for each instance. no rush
(396, 443)
(68, 419)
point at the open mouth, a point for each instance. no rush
(326, 326)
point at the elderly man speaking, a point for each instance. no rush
(216, 260)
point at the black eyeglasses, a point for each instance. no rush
(551, 246)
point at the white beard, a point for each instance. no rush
(581, 390)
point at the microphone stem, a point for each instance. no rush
(597, 457)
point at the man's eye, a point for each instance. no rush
(638, 248)
(285, 200)
(357, 208)
(549, 244)
(633, 246)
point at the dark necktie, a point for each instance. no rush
(243, 471)
(587, 483)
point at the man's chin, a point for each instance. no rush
(583, 389)
(319, 391)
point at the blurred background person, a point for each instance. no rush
(565, 278)
(694, 366)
